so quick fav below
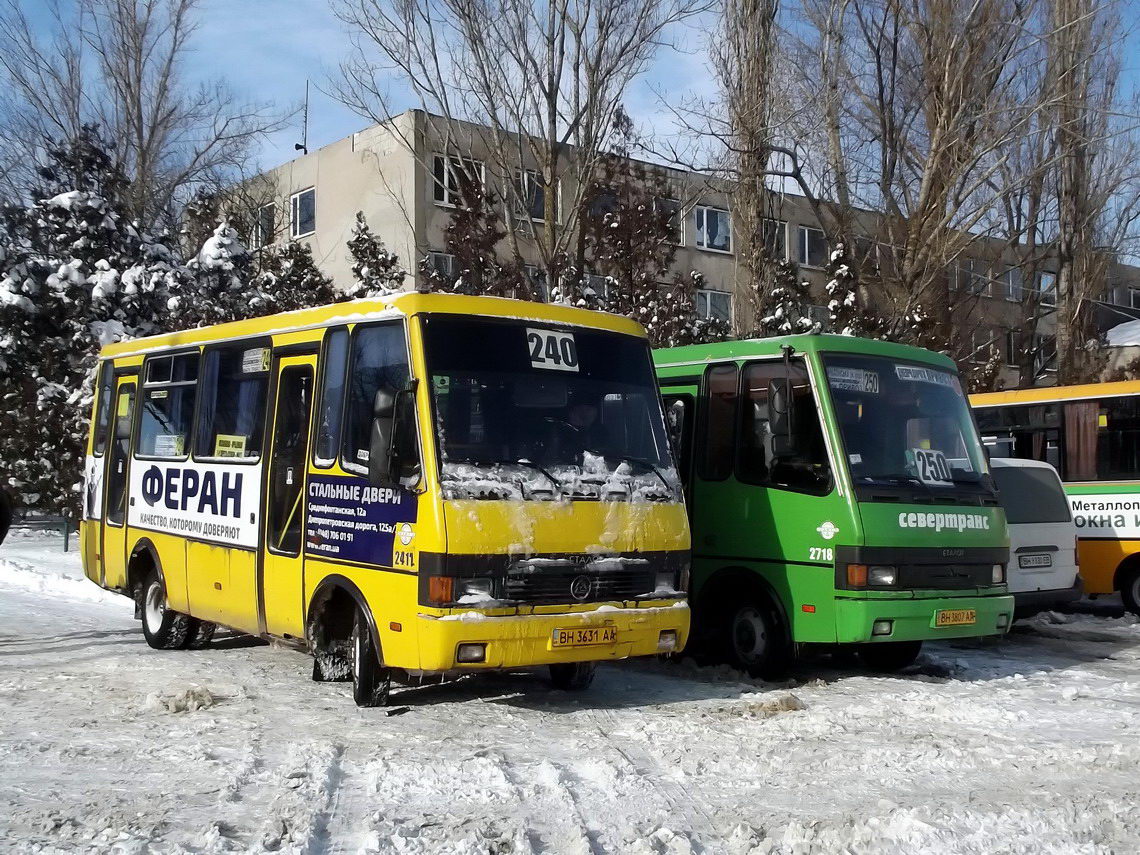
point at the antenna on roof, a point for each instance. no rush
(303, 145)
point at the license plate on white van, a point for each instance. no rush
(1037, 559)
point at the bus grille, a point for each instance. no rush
(562, 584)
(945, 577)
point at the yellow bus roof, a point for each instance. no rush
(405, 303)
(1049, 394)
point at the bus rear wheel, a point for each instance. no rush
(753, 640)
(573, 676)
(1130, 591)
(163, 628)
(890, 656)
(371, 681)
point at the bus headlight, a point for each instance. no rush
(468, 590)
(882, 575)
(998, 574)
(665, 582)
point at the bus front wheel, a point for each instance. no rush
(1130, 591)
(371, 681)
(890, 656)
(163, 628)
(573, 676)
(753, 640)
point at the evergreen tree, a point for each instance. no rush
(631, 241)
(74, 275)
(788, 304)
(375, 270)
(848, 313)
(289, 280)
(984, 375)
(223, 286)
(473, 235)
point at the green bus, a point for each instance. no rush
(839, 495)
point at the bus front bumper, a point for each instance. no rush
(865, 620)
(512, 641)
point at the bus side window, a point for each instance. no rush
(718, 421)
(106, 386)
(170, 386)
(334, 368)
(805, 466)
(379, 358)
(1118, 438)
(231, 415)
(679, 423)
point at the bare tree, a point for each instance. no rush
(533, 90)
(119, 64)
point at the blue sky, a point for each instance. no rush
(266, 49)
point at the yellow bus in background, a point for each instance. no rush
(1091, 435)
(426, 482)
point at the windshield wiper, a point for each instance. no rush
(646, 464)
(522, 461)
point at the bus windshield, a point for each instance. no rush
(536, 410)
(905, 425)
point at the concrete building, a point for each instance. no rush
(396, 175)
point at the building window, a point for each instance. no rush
(973, 278)
(774, 233)
(1045, 354)
(812, 246)
(303, 213)
(531, 197)
(671, 208)
(264, 226)
(1012, 351)
(454, 177)
(603, 202)
(1047, 286)
(1134, 297)
(1011, 284)
(714, 228)
(600, 285)
(444, 263)
(714, 305)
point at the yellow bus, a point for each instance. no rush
(432, 483)
(1091, 435)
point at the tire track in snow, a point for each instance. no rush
(681, 801)
(543, 788)
(343, 826)
(305, 784)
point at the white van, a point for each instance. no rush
(1042, 570)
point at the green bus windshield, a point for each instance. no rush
(905, 425)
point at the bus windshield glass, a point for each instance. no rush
(537, 410)
(905, 425)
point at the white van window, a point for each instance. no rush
(1031, 495)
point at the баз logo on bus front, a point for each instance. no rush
(188, 489)
(581, 586)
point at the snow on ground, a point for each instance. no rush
(1026, 744)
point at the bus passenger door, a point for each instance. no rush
(282, 573)
(114, 540)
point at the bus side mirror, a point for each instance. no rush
(380, 441)
(778, 405)
(780, 419)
